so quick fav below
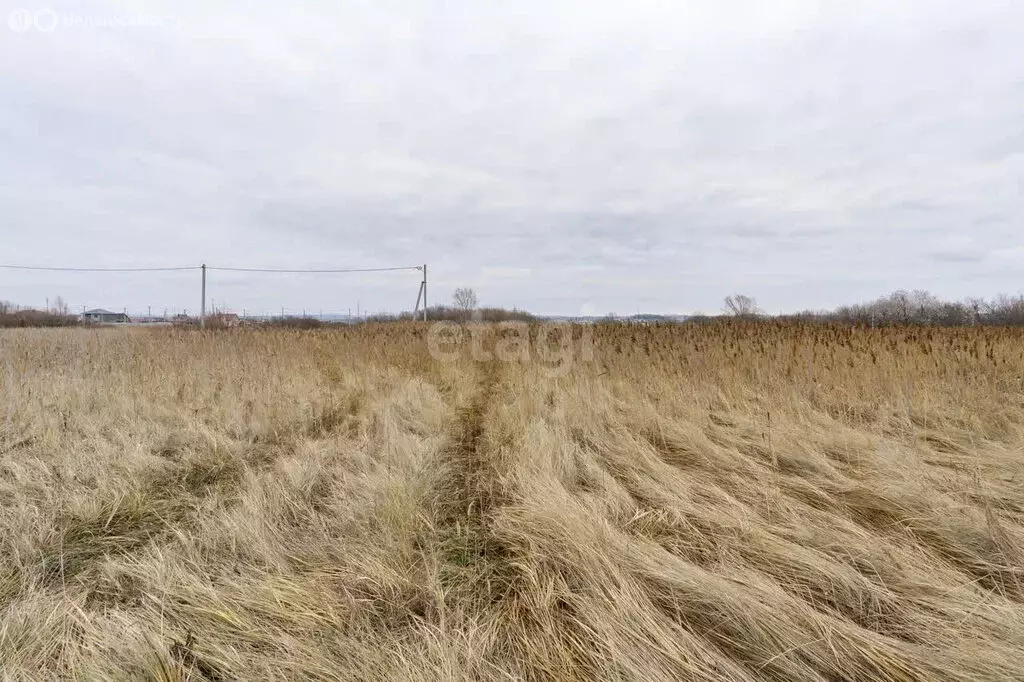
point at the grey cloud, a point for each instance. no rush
(958, 257)
(808, 153)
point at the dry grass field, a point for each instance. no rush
(733, 501)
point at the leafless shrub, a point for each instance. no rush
(11, 316)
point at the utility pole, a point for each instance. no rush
(421, 295)
(202, 305)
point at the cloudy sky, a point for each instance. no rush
(564, 157)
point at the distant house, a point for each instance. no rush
(101, 316)
(647, 318)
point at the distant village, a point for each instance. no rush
(102, 316)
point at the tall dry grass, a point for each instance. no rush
(746, 501)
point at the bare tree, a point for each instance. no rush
(741, 305)
(976, 307)
(60, 306)
(465, 300)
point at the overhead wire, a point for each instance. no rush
(209, 267)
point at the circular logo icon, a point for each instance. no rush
(46, 19)
(20, 20)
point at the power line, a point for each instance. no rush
(210, 267)
(32, 267)
(223, 269)
(204, 268)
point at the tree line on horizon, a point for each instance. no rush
(901, 307)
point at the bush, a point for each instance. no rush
(12, 317)
(294, 322)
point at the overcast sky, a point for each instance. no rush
(564, 157)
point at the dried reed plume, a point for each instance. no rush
(730, 501)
